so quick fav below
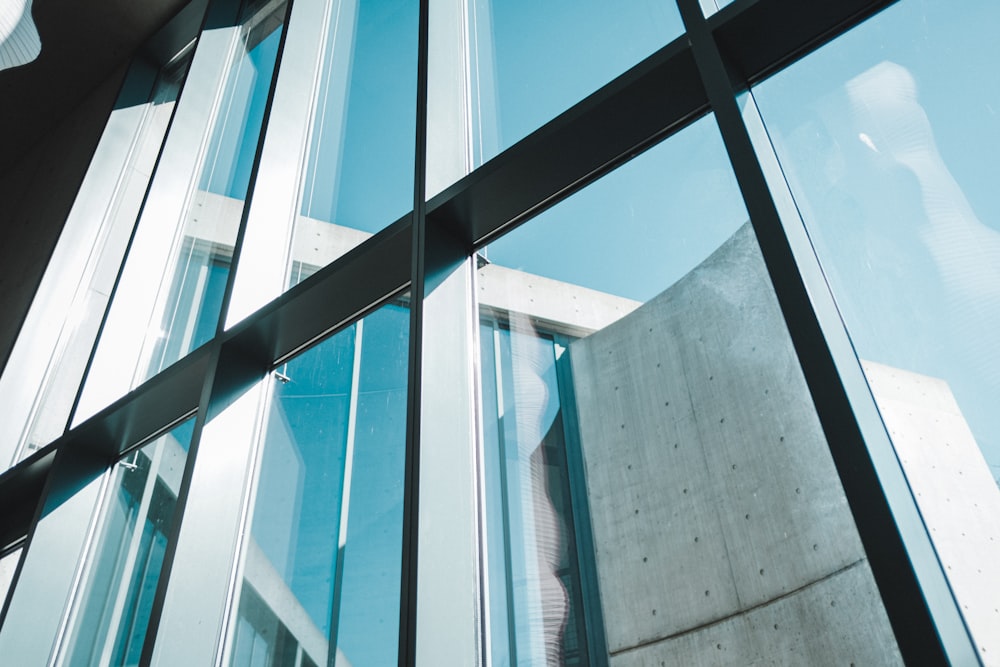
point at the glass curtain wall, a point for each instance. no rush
(85, 593)
(168, 298)
(339, 166)
(887, 138)
(64, 323)
(321, 546)
(107, 621)
(652, 452)
(8, 563)
(646, 477)
(502, 70)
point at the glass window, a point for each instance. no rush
(530, 61)
(107, 623)
(321, 555)
(338, 158)
(888, 138)
(168, 299)
(652, 453)
(91, 568)
(46, 368)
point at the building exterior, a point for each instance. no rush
(461, 332)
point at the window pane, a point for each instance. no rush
(889, 138)
(168, 298)
(86, 587)
(120, 573)
(338, 158)
(47, 365)
(653, 456)
(530, 61)
(321, 559)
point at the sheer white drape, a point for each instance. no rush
(19, 41)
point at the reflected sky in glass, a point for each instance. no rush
(639, 229)
(536, 59)
(889, 138)
(235, 140)
(361, 175)
(328, 514)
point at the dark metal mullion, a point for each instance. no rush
(227, 294)
(887, 553)
(411, 470)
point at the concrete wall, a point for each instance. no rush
(722, 532)
(954, 489)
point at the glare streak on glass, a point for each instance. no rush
(338, 157)
(320, 562)
(107, 622)
(168, 299)
(47, 365)
(887, 138)
(639, 381)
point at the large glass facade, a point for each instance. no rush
(72, 300)
(168, 298)
(683, 355)
(650, 357)
(339, 166)
(320, 556)
(109, 618)
(88, 586)
(887, 144)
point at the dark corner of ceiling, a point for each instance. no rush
(83, 43)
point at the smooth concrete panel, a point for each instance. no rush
(816, 626)
(711, 487)
(954, 489)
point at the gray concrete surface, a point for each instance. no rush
(784, 632)
(954, 488)
(712, 492)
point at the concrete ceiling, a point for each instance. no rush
(83, 42)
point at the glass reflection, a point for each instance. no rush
(83, 269)
(528, 488)
(338, 158)
(654, 465)
(887, 137)
(167, 301)
(321, 561)
(530, 61)
(359, 165)
(202, 258)
(107, 624)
